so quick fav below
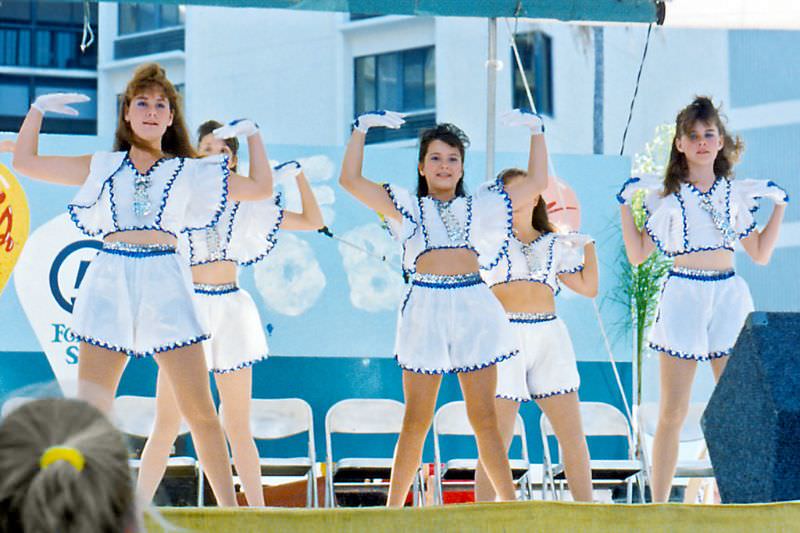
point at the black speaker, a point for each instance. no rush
(752, 421)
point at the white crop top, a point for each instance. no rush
(480, 222)
(541, 260)
(175, 194)
(691, 221)
(245, 233)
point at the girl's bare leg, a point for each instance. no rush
(478, 388)
(419, 391)
(506, 417)
(235, 390)
(186, 370)
(677, 376)
(99, 372)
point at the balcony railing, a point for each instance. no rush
(152, 42)
(45, 47)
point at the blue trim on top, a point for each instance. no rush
(468, 229)
(272, 237)
(629, 181)
(723, 275)
(400, 209)
(771, 183)
(685, 224)
(471, 282)
(138, 254)
(546, 317)
(458, 370)
(71, 208)
(425, 238)
(167, 188)
(404, 214)
(223, 201)
(498, 186)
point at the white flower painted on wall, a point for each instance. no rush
(375, 285)
(290, 281)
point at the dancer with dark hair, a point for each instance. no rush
(245, 234)
(449, 321)
(136, 298)
(696, 213)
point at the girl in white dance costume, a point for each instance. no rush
(245, 234)
(449, 321)
(526, 281)
(136, 298)
(696, 214)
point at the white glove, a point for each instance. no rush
(524, 117)
(286, 171)
(385, 119)
(234, 128)
(57, 103)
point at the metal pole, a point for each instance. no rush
(491, 97)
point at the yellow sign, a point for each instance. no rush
(14, 223)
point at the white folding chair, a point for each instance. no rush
(363, 416)
(451, 419)
(598, 420)
(691, 432)
(14, 402)
(135, 415)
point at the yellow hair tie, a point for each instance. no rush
(62, 453)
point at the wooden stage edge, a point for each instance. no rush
(515, 516)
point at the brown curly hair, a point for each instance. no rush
(700, 110)
(176, 140)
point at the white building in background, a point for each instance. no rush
(304, 75)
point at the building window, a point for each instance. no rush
(45, 35)
(535, 51)
(400, 81)
(149, 29)
(17, 93)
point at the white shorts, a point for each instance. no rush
(546, 363)
(137, 299)
(237, 335)
(700, 313)
(451, 324)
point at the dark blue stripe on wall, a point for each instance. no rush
(323, 381)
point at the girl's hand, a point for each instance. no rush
(286, 171)
(385, 119)
(57, 103)
(524, 117)
(234, 128)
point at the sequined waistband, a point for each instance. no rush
(701, 274)
(445, 281)
(215, 289)
(129, 249)
(530, 318)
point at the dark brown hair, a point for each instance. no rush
(700, 110)
(539, 220)
(208, 127)
(176, 140)
(448, 134)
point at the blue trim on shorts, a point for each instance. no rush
(723, 275)
(241, 366)
(139, 355)
(458, 370)
(690, 356)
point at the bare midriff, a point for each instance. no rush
(525, 297)
(448, 261)
(216, 273)
(706, 260)
(141, 236)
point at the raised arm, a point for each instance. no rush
(310, 217)
(258, 184)
(638, 244)
(536, 181)
(584, 282)
(759, 245)
(54, 169)
(368, 192)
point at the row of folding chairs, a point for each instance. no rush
(282, 418)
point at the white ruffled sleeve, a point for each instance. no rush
(570, 249)
(407, 205)
(208, 182)
(745, 195)
(490, 228)
(90, 210)
(633, 185)
(254, 229)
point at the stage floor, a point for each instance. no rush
(516, 517)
